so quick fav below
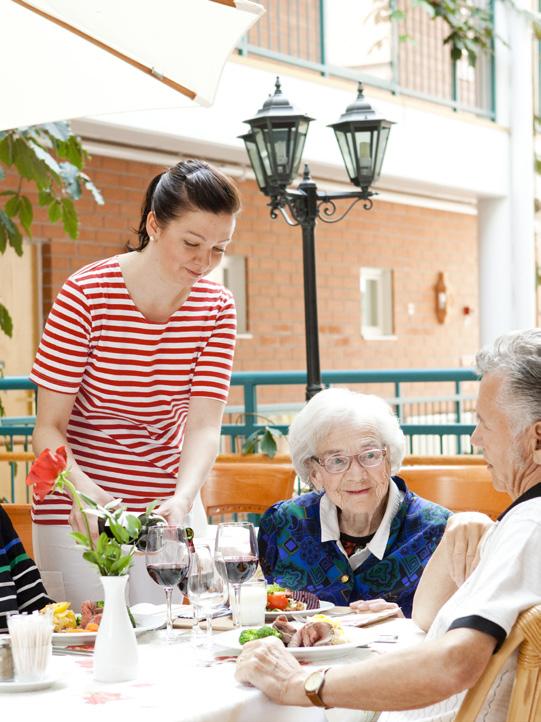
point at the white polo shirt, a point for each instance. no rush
(506, 581)
(330, 529)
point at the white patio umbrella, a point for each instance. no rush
(63, 59)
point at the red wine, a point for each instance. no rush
(168, 575)
(240, 569)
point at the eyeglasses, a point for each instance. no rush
(338, 463)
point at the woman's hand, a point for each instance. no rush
(462, 535)
(76, 519)
(267, 665)
(375, 605)
(175, 509)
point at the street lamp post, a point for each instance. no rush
(274, 145)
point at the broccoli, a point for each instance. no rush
(248, 635)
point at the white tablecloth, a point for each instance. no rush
(169, 688)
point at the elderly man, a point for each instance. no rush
(466, 624)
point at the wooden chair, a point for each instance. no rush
(449, 460)
(22, 521)
(253, 459)
(525, 703)
(17, 456)
(243, 487)
(459, 488)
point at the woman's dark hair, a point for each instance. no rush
(188, 186)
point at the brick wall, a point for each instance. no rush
(415, 242)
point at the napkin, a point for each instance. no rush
(222, 624)
(363, 619)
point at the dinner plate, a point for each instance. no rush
(28, 686)
(323, 607)
(354, 638)
(87, 637)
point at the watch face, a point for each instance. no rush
(313, 681)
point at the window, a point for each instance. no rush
(376, 302)
(232, 274)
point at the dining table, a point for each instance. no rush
(182, 682)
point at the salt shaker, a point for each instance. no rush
(6, 660)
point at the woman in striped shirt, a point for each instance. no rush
(134, 366)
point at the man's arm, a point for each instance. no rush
(406, 679)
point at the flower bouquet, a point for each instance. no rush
(115, 653)
(121, 532)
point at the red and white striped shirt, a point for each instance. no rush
(133, 378)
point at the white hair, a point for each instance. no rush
(333, 409)
(516, 357)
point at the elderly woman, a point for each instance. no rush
(466, 622)
(361, 534)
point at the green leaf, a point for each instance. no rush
(80, 538)
(45, 158)
(268, 444)
(69, 217)
(45, 197)
(2, 174)
(55, 211)
(73, 151)
(3, 239)
(6, 150)
(120, 566)
(26, 214)
(13, 233)
(89, 185)
(101, 543)
(70, 179)
(12, 206)
(6, 322)
(59, 131)
(251, 443)
(29, 165)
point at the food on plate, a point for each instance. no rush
(248, 635)
(281, 599)
(66, 620)
(320, 631)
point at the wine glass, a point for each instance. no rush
(167, 561)
(237, 545)
(206, 587)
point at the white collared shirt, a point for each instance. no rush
(330, 530)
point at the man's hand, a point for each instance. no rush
(462, 535)
(375, 605)
(267, 665)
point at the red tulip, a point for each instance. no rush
(45, 471)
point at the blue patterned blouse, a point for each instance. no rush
(292, 554)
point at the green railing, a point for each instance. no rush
(416, 64)
(449, 434)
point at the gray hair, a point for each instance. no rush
(335, 408)
(516, 356)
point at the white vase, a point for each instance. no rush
(115, 652)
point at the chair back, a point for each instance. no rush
(21, 519)
(459, 488)
(443, 460)
(525, 702)
(243, 487)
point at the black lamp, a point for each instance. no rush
(362, 138)
(276, 141)
(274, 145)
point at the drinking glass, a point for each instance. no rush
(167, 561)
(237, 545)
(206, 587)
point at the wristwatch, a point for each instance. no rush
(313, 685)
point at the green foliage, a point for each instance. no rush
(52, 159)
(263, 440)
(471, 28)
